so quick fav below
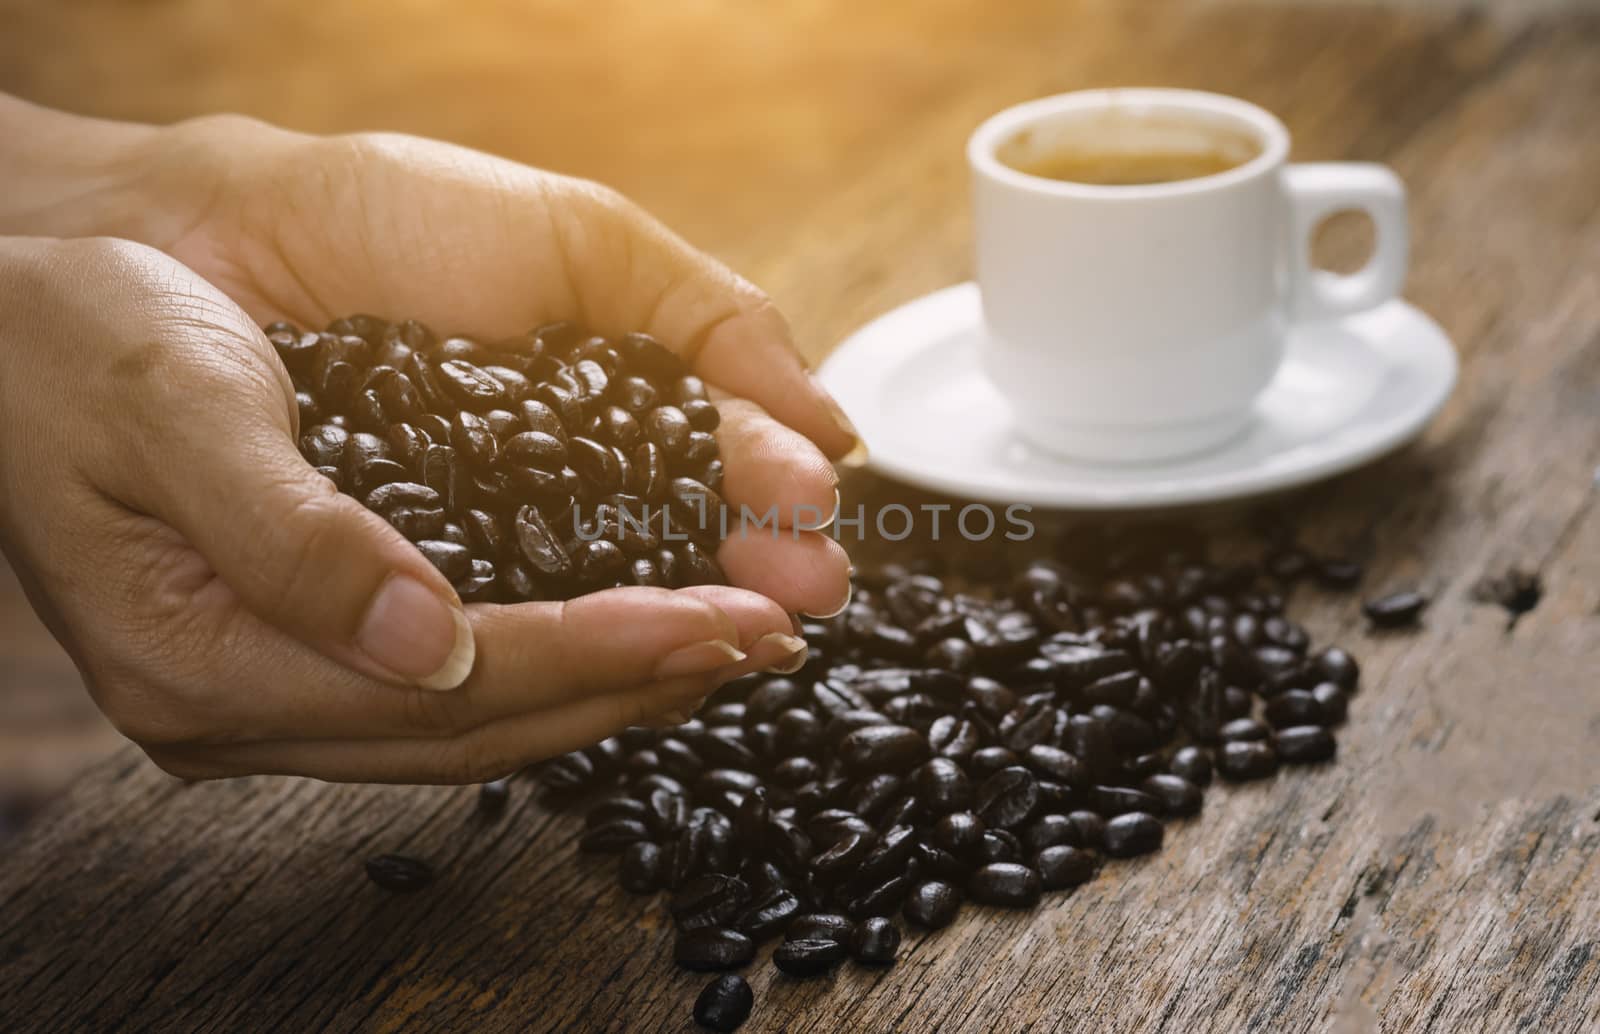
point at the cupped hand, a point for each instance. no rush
(308, 229)
(230, 611)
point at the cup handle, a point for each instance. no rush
(1318, 189)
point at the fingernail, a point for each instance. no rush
(849, 591)
(790, 651)
(826, 522)
(698, 659)
(857, 457)
(410, 631)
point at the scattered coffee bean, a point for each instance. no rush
(1133, 834)
(1064, 866)
(713, 948)
(933, 904)
(1007, 884)
(876, 941)
(1397, 610)
(724, 1004)
(1243, 760)
(492, 796)
(808, 957)
(399, 873)
(1305, 744)
(939, 743)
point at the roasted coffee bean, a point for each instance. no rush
(933, 904)
(882, 748)
(769, 916)
(1176, 796)
(989, 760)
(641, 868)
(398, 873)
(1331, 699)
(493, 796)
(942, 786)
(1007, 799)
(1193, 764)
(1243, 760)
(1134, 833)
(1119, 800)
(712, 948)
(876, 941)
(821, 926)
(613, 836)
(568, 772)
(1241, 729)
(724, 1004)
(1057, 765)
(1304, 744)
(709, 900)
(1396, 610)
(1294, 707)
(959, 832)
(998, 845)
(1063, 866)
(1090, 826)
(1338, 667)
(1007, 884)
(809, 957)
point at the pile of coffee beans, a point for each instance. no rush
(945, 745)
(536, 468)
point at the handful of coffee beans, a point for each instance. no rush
(949, 743)
(536, 468)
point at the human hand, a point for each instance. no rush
(234, 614)
(309, 228)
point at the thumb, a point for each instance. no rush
(325, 569)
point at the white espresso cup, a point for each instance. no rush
(1140, 322)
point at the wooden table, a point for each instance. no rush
(1444, 875)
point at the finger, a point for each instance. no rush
(766, 631)
(488, 752)
(257, 683)
(724, 325)
(214, 457)
(802, 571)
(773, 471)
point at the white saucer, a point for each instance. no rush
(1347, 392)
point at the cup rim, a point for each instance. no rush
(986, 139)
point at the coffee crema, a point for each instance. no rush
(1127, 151)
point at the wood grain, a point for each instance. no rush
(1444, 875)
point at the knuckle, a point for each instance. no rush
(430, 713)
(299, 543)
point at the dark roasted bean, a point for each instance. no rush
(876, 941)
(942, 786)
(1061, 866)
(399, 873)
(1305, 744)
(641, 869)
(1294, 707)
(1193, 764)
(1175, 794)
(724, 1004)
(1396, 610)
(1008, 798)
(959, 832)
(1242, 729)
(1007, 884)
(1331, 699)
(808, 957)
(882, 748)
(493, 796)
(1132, 834)
(933, 904)
(821, 926)
(1243, 760)
(712, 948)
